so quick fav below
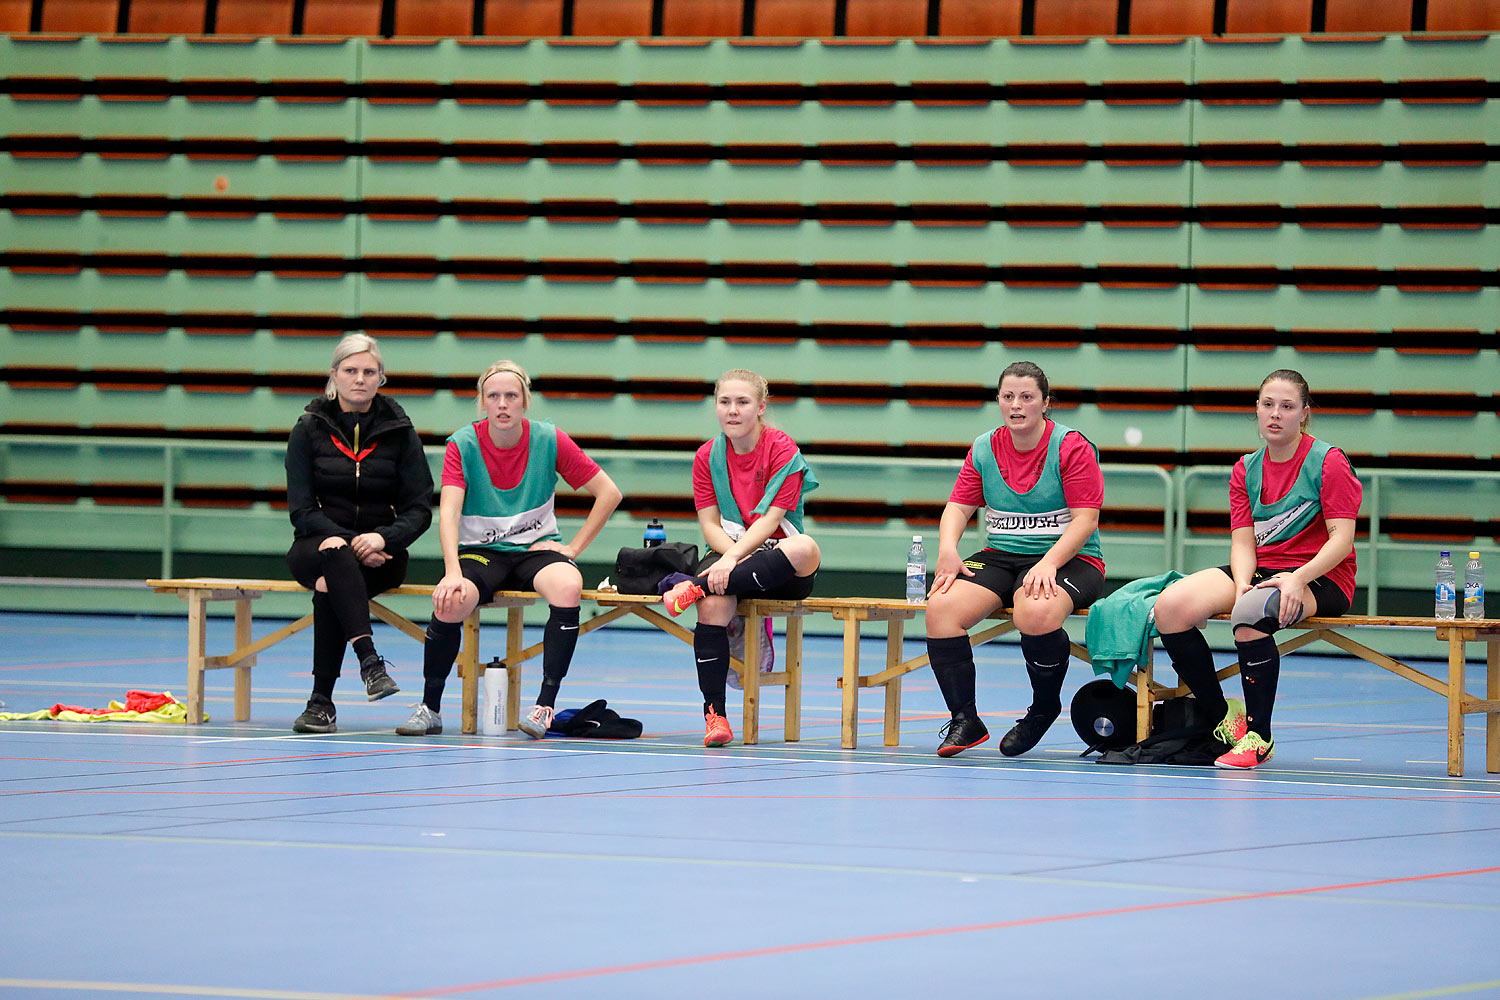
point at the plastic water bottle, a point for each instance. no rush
(1445, 586)
(655, 534)
(1474, 587)
(916, 572)
(492, 699)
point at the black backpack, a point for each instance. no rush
(638, 571)
(1180, 735)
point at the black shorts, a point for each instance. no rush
(794, 589)
(1331, 600)
(1003, 573)
(496, 569)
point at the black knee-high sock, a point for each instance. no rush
(1194, 663)
(558, 642)
(347, 594)
(711, 650)
(328, 646)
(952, 662)
(443, 640)
(766, 569)
(1260, 668)
(1046, 665)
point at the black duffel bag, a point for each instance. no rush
(638, 571)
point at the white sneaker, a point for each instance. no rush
(423, 722)
(537, 721)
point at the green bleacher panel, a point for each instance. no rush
(1390, 58)
(1387, 184)
(1369, 370)
(178, 291)
(1377, 432)
(807, 242)
(1384, 246)
(248, 58)
(181, 176)
(1287, 307)
(177, 233)
(721, 182)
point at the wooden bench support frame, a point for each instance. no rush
(852, 612)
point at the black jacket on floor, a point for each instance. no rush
(334, 488)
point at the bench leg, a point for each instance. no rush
(1455, 703)
(794, 679)
(1143, 700)
(1492, 719)
(848, 730)
(196, 655)
(894, 636)
(242, 621)
(468, 672)
(515, 635)
(750, 679)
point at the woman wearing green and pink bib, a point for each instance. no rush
(1292, 507)
(498, 531)
(748, 487)
(1040, 487)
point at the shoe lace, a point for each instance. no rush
(1250, 743)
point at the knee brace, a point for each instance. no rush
(1258, 609)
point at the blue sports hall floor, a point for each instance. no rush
(241, 860)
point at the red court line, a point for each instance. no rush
(791, 949)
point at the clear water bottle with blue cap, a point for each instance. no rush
(656, 534)
(1446, 582)
(916, 572)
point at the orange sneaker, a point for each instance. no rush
(1250, 751)
(716, 731)
(681, 597)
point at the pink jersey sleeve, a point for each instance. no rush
(1082, 479)
(703, 480)
(968, 489)
(453, 467)
(1341, 493)
(573, 465)
(1240, 515)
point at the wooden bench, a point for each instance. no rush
(1456, 634)
(853, 612)
(200, 592)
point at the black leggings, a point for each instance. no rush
(344, 611)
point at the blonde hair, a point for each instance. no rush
(348, 346)
(495, 369)
(762, 391)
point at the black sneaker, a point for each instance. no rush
(378, 683)
(1027, 732)
(317, 717)
(962, 732)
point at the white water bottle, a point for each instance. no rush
(1446, 581)
(1474, 587)
(916, 572)
(492, 700)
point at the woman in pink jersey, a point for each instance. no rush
(748, 485)
(1292, 507)
(498, 531)
(1040, 487)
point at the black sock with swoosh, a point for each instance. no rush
(1260, 668)
(1194, 662)
(559, 639)
(711, 650)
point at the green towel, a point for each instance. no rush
(1119, 630)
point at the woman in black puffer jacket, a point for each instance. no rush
(359, 492)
